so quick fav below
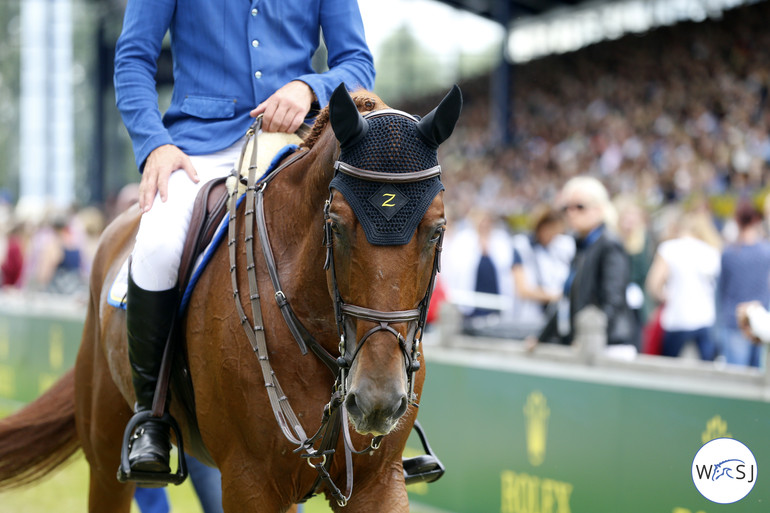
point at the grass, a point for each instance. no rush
(66, 491)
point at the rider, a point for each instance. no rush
(229, 56)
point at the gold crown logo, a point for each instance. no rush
(536, 412)
(716, 427)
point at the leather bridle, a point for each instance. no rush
(334, 419)
(346, 314)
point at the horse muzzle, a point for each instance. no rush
(374, 411)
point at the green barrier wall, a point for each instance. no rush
(514, 440)
(523, 443)
(36, 347)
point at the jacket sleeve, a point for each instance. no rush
(550, 331)
(136, 54)
(615, 272)
(349, 58)
(614, 280)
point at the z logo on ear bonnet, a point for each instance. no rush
(378, 147)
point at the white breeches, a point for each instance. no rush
(162, 231)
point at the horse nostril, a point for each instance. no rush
(401, 408)
(352, 406)
(395, 410)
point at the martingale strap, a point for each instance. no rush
(284, 414)
(333, 413)
(303, 337)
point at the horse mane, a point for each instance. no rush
(363, 102)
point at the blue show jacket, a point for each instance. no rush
(229, 56)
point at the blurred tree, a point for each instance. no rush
(9, 96)
(405, 68)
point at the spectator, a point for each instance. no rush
(91, 224)
(478, 260)
(59, 267)
(437, 300)
(754, 320)
(541, 263)
(637, 241)
(12, 257)
(207, 482)
(152, 500)
(745, 277)
(662, 125)
(683, 278)
(599, 272)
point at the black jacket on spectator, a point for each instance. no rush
(599, 276)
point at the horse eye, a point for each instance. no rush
(437, 235)
(335, 227)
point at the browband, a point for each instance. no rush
(379, 176)
(390, 112)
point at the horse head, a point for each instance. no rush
(384, 227)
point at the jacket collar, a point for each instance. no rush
(592, 237)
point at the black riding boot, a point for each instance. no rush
(149, 317)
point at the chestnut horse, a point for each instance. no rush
(361, 294)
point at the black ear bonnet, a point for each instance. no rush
(389, 142)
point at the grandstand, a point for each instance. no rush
(669, 114)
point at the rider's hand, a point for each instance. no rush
(286, 109)
(163, 161)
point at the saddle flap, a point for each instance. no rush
(208, 211)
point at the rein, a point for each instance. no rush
(334, 418)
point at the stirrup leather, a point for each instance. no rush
(422, 469)
(151, 478)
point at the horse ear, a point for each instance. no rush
(437, 126)
(348, 124)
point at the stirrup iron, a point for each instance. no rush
(422, 469)
(152, 479)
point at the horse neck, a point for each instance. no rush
(294, 204)
(297, 194)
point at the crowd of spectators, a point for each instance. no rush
(673, 122)
(48, 250)
(674, 112)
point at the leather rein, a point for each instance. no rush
(334, 418)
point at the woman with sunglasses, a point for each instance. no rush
(599, 272)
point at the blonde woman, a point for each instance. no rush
(683, 277)
(599, 272)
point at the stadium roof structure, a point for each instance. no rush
(499, 9)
